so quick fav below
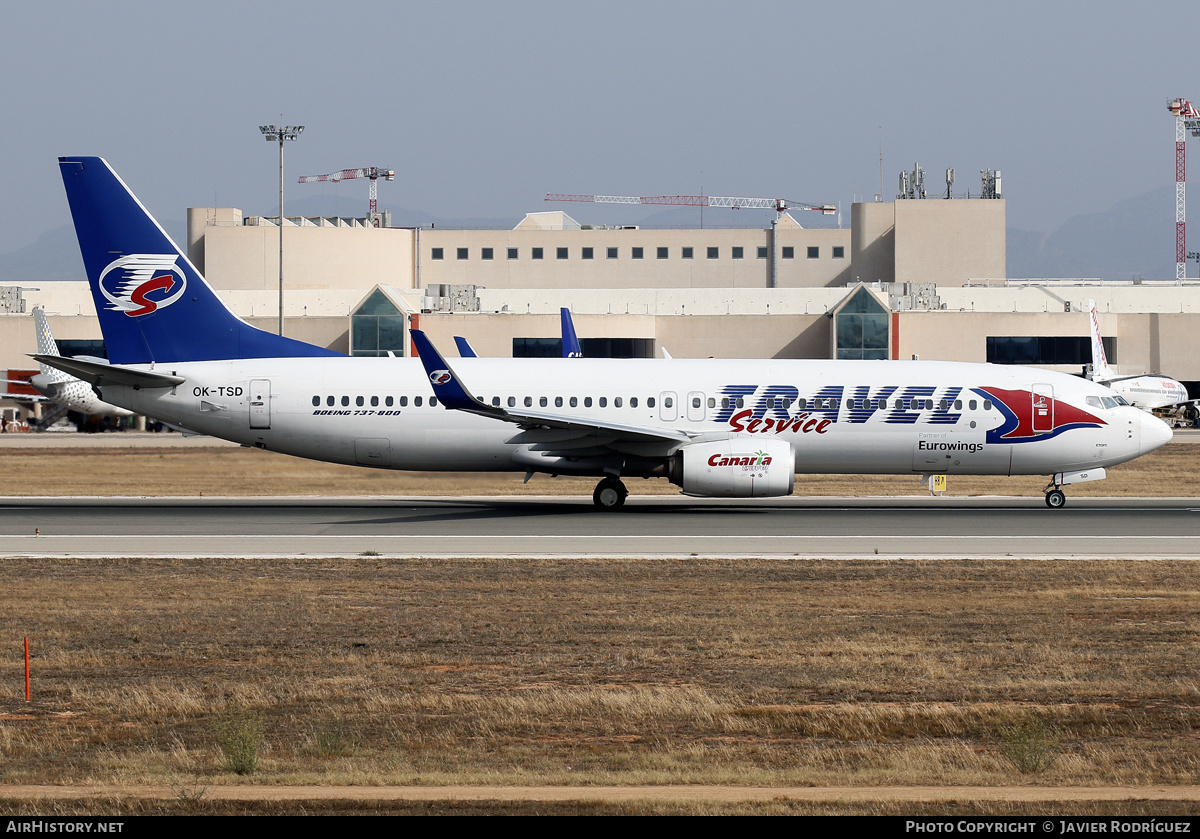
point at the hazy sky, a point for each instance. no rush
(482, 108)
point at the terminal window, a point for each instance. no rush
(789, 253)
(462, 253)
(688, 252)
(437, 253)
(662, 253)
(560, 253)
(762, 253)
(637, 253)
(1046, 349)
(592, 347)
(587, 253)
(814, 253)
(839, 252)
(512, 253)
(612, 253)
(861, 327)
(738, 253)
(714, 253)
(486, 253)
(536, 254)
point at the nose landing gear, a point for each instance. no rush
(610, 494)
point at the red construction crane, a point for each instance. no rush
(779, 205)
(1187, 118)
(372, 172)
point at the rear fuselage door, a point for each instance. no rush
(260, 403)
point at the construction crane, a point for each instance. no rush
(779, 205)
(372, 172)
(1187, 118)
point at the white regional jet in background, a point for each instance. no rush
(1149, 392)
(59, 388)
(718, 428)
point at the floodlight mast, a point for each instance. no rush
(274, 134)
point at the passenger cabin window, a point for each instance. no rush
(403, 401)
(587, 401)
(603, 401)
(617, 402)
(558, 402)
(416, 402)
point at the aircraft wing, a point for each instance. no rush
(95, 373)
(455, 396)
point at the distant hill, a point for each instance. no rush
(1133, 239)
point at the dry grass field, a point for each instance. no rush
(366, 671)
(372, 671)
(1170, 471)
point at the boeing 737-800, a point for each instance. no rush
(717, 428)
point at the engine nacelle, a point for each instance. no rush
(735, 468)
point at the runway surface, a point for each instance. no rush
(916, 527)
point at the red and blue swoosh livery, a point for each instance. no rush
(1020, 423)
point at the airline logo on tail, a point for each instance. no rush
(440, 377)
(142, 283)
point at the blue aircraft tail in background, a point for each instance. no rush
(152, 303)
(570, 344)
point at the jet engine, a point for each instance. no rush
(737, 467)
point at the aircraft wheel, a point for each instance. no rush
(610, 494)
(1055, 498)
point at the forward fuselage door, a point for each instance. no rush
(260, 403)
(1043, 408)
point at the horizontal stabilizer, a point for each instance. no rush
(99, 374)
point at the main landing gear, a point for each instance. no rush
(610, 494)
(1055, 497)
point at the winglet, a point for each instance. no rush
(570, 343)
(447, 387)
(465, 350)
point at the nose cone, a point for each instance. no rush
(1154, 433)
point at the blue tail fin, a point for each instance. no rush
(152, 303)
(570, 344)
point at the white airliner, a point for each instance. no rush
(59, 388)
(1149, 392)
(717, 428)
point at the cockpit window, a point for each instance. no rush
(1094, 401)
(1121, 400)
(1108, 401)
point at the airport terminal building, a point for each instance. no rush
(909, 278)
